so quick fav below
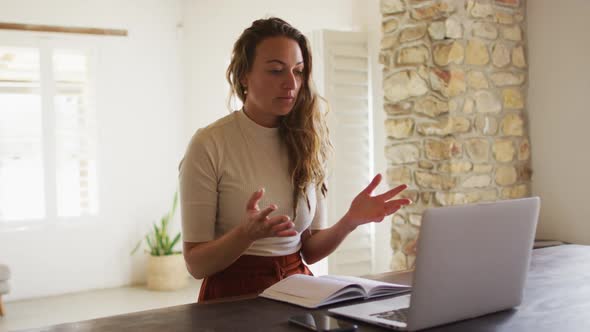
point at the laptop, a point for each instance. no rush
(471, 260)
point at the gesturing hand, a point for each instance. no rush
(366, 208)
(258, 224)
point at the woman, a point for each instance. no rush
(253, 183)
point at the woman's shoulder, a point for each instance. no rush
(212, 135)
(216, 130)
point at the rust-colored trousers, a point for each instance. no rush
(251, 275)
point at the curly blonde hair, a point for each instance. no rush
(304, 129)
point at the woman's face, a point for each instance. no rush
(274, 81)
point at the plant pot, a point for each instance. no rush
(166, 273)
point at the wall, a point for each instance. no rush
(140, 116)
(212, 27)
(210, 37)
(454, 84)
(558, 55)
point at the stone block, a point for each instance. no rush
(415, 219)
(486, 125)
(399, 175)
(431, 12)
(401, 108)
(518, 191)
(518, 58)
(480, 9)
(392, 7)
(512, 125)
(390, 25)
(524, 150)
(402, 153)
(446, 199)
(477, 181)
(445, 149)
(451, 125)
(412, 33)
(513, 98)
(437, 30)
(477, 80)
(506, 78)
(500, 55)
(503, 150)
(388, 42)
(444, 54)
(485, 30)
(424, 164)
(513, 33)
(403, 85)
(487, 102)
(504, 17)
(478, 149)
(525, 173)
(455, 167)
(476, 53)
(399, 128)
(468, 106)
(434, 181)
(482, 168)
(412, 56)
(510, 3)
(450, 83)
(425, 197)
(431, 106)
(506, 175)
(453, 28)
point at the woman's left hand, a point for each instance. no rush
(366, 208)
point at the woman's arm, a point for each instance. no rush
(364, 209)
(206, 258)
(318, 244)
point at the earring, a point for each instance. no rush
(245, 90)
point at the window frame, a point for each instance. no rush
(46, 43)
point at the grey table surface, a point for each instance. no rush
(556, 298)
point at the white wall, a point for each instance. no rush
(383, 252)
(155, 88)
(559, 86)
(212, 27)
(140, 118)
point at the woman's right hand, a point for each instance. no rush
(258, 224)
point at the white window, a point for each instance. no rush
(48, 164)
(342, 73)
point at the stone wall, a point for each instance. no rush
(454, 86)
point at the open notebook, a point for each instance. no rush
(312, 292)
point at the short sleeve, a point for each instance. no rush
(320, 220)
(198, 190)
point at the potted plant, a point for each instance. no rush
(166, 267)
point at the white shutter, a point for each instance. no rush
(343, 78)
(21, 135)
(75, 134)
(47, 132)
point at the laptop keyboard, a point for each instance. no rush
(398, 315)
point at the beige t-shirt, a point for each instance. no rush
(225, 163)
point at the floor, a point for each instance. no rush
(73, 307)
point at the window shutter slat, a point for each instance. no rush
(344, 82)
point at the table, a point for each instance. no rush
(557, 298)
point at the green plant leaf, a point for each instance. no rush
(136, 247)
(174, 204)
(176, 238)
(149, 242)
(158, 240)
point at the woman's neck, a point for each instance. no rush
(265, 120)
